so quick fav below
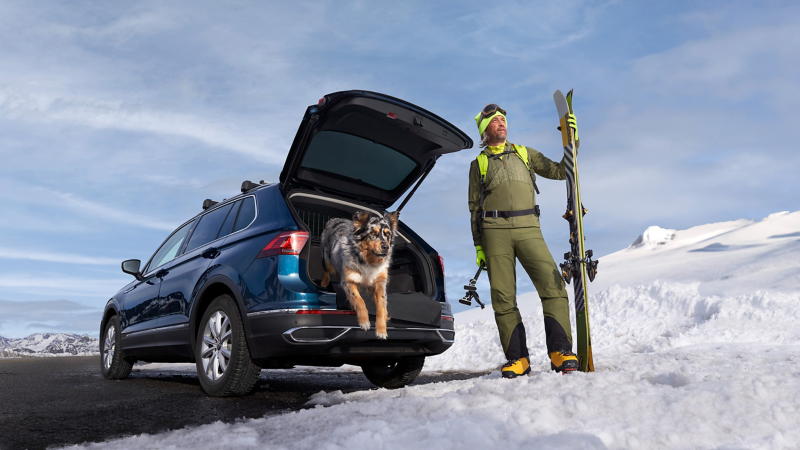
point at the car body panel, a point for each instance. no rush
(140, 305)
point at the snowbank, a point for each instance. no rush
(675, 370)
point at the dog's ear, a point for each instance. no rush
(360, 221)
(392, 219)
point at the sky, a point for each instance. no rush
(118, 119)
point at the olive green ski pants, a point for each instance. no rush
(502, 247)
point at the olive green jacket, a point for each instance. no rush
(509, 187)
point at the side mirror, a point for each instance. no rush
(131, 267)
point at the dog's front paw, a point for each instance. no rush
(364, 325)
(381, 335)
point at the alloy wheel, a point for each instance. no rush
(109, 346)
(216, 346)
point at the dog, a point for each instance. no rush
(359, 251)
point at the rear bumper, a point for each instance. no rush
(284, 338)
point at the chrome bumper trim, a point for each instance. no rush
(274, 311)
(291, 339)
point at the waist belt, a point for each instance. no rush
(506, 214)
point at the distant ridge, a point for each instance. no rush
(50, 344)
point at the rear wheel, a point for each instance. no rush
(395, 375)
(112, 362)
(224, 367)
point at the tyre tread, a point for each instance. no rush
(406, 371)
(244, 373)
(120, 367)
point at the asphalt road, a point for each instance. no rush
(52, 402)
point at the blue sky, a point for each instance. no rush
(117, 120)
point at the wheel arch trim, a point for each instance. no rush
(201, 301)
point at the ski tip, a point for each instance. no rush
(569, 99)
(561, 103)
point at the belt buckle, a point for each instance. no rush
(494, 214)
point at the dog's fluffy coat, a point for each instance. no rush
(359, 251)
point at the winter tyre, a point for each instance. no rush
(224, 367)
(396, 375)
(112, 362)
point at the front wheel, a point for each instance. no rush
(223, 360)
(396, 375)
(112, 362)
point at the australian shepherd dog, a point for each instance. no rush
(359, 251)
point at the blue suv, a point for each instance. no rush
(237, 288)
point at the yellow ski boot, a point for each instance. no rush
(516, 367)
(563, 361)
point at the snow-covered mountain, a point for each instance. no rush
(50, 344)
(727, 258)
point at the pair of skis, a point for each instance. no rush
(578, 265)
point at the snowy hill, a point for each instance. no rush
(727, 258)
(50, 344)
(695, 342)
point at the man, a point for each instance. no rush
(505, 227)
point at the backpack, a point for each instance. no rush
(483, 166)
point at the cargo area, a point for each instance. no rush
(410, 289)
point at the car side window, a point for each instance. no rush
(246, 214)
(227, 226)
(208, 228)
(170, 248)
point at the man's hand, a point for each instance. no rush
(480, 259)
(573, 123)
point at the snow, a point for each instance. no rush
(695, 341)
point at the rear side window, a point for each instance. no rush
(246, 214)
(170, 248)
(208, 228)
(227, 226)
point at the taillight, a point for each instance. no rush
(441, 263)
(449, 318)
(289, 243)
(392, 116)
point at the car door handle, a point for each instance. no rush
(211, 253)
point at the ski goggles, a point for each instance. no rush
(489, 110)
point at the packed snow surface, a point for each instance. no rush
(696, 345)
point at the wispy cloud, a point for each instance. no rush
(38, 195)
(7, 253)
(22, 104)
(58, 285)
(22, 318)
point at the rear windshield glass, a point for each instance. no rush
(358, 159)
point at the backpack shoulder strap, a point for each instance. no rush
(522, 152)
(483, 165)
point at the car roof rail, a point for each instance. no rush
(248, 185)
(208, 203)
